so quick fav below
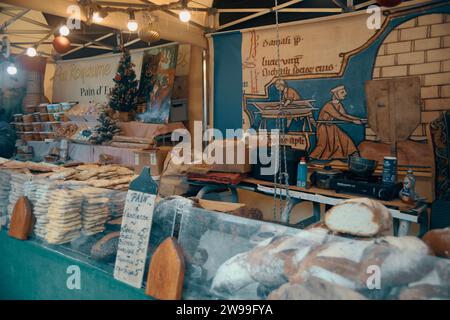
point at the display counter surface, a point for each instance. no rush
(32, 271)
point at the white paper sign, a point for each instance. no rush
(90, 79)
(134, 238)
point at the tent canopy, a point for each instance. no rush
(28, 23)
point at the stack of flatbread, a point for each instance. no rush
(64, 216)
(94, 210)
(17, 189)
(40, 209)
(114, 177)
(5, 187)
(117, 203)
(29, 190)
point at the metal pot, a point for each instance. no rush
(322, 178)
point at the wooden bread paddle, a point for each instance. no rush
(21, 220)
(166, 273)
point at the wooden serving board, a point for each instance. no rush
(166, 273)
(21, 219)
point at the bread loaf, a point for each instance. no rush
(232, 275)
(266, 263)
(314, 289)
(337, 262)
(434, 285)
(401, 261)
(439, 241)
(425, 292)
(360, 217)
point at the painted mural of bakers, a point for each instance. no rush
(296, 108)
(332, 141)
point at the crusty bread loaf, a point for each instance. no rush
(400, 261)
(337, 262)
(232, 275)
(406, 243)
(266, 262)
(439, 241)
(360, 217)
(314, 289)
(424, 292)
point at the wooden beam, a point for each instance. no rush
(88, 44)
(341, 5)
(37, 23)
(14, 18)
(25, 49)
(129, 43)
(258, 14)
(364, 4)
(23, 31)
(285, 10)
(97, 42)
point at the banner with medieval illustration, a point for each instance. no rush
(324, 66)
(156, 85)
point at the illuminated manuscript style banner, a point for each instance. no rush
(309, 80)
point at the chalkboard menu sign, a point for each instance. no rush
(135, 230)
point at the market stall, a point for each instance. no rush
(154, 154)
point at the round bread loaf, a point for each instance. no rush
(439, 241)
(400, 261)
(360, 217)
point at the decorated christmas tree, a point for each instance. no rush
(107, 129)
(124, 94)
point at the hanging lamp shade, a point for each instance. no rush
(149, 32)
(61, 44)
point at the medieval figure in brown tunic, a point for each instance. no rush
(333, 142)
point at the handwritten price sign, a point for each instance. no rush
(134, 237)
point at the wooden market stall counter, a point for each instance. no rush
(403, 214)
(30, 270)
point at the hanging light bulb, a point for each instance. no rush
(96, 17)
(185, 15)
(12, 70)
(64, 30)
(99, 14)
(31, 52)
(132, 23)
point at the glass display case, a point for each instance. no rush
(230, 257)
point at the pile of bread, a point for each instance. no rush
(107, 176)
(347, 257)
